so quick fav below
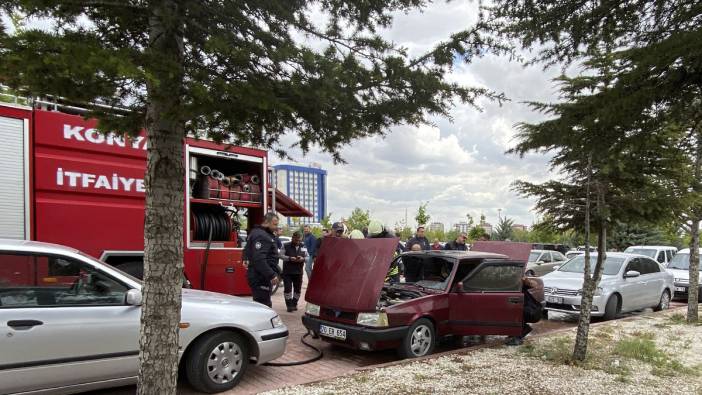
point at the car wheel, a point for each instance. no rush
(612, 308)
(217, 362)
(419, 340)
(530, 273)
(664, 303)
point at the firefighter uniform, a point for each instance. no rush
(262, 254)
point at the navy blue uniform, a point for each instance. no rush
(292, 275)
(262, 253)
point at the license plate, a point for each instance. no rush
(554, 299)
(335, 333)
(680, 289)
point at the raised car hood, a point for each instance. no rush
(514, 250)
(348, 274)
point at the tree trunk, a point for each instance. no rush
(580, 348)
(163, 226)
(694, 271)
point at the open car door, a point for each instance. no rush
(489, 301)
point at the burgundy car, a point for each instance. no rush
(444, 293)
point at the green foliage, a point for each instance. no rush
(624, 235)
(245, 78)
(436, 235)
(358, 219)
(422, 217)
(503, 230)
(326, 221)
(475, 233)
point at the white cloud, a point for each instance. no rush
(460, 167)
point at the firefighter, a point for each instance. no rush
(262, 254)
(293, 260)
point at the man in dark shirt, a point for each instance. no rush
(262, 254)
(459, 244)
(293, 261)
(420, 239)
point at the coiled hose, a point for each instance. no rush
(214, 219)
(317, 357)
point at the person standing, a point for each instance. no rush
(420, 239)
(293, 261)
(310, 243)
(262, 254)
(459, 244)
(337, 230)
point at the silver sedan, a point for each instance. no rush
(70, 323)
(629, 282)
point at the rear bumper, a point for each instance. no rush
(359, 337)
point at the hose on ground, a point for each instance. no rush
(317, 357)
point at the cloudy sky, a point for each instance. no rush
(459, 167)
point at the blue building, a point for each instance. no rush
(307, 186)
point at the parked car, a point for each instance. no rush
(543, 261)
(571, 254)
(445, 293)
(629, 282)
(662, 254)
(70, 323)
(562, 248)
(679, 267)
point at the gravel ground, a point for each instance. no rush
(528, 370)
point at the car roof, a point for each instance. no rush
(654, 247)
(686, 251)
(621, 255)
(27, 245)
(459, 254)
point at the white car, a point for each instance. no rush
(629, 282)
(70, 323)
(662, 254)
(543, 262)
(679, 267)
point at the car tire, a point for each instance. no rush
(612, 308)
(664, 302)
(419, 340)
(530, 273)
(217, 362)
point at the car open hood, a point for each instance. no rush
(513, 250)
(348, 274)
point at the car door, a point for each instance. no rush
(67, 325)
(660, 257)
(545, 265)
(653, 281)
(557, 260)
(633, 289)
(489, 301)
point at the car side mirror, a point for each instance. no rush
(631, 274)
(556, 268)
(134, 297)
(458, 287)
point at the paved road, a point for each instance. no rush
(336, 361)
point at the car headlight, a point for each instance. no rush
(312, 309)
(276, 322)
(372, 319)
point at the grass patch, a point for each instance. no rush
(677, 319)
(645, 350)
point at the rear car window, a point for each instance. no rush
(495, 278)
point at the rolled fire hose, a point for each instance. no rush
(255, 179)
(319, 355)
(205, 170)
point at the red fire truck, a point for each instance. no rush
(61, 181)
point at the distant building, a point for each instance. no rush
(487, 227)
(520, 227)
(436, 227)
(462, 227)
(307, 186)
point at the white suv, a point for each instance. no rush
(662, 254)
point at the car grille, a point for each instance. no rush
(561, 291)
(339, 315)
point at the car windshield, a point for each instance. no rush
(534, 256)
(680, 261)
(577, 265)
(427, 271)
(641, 251)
